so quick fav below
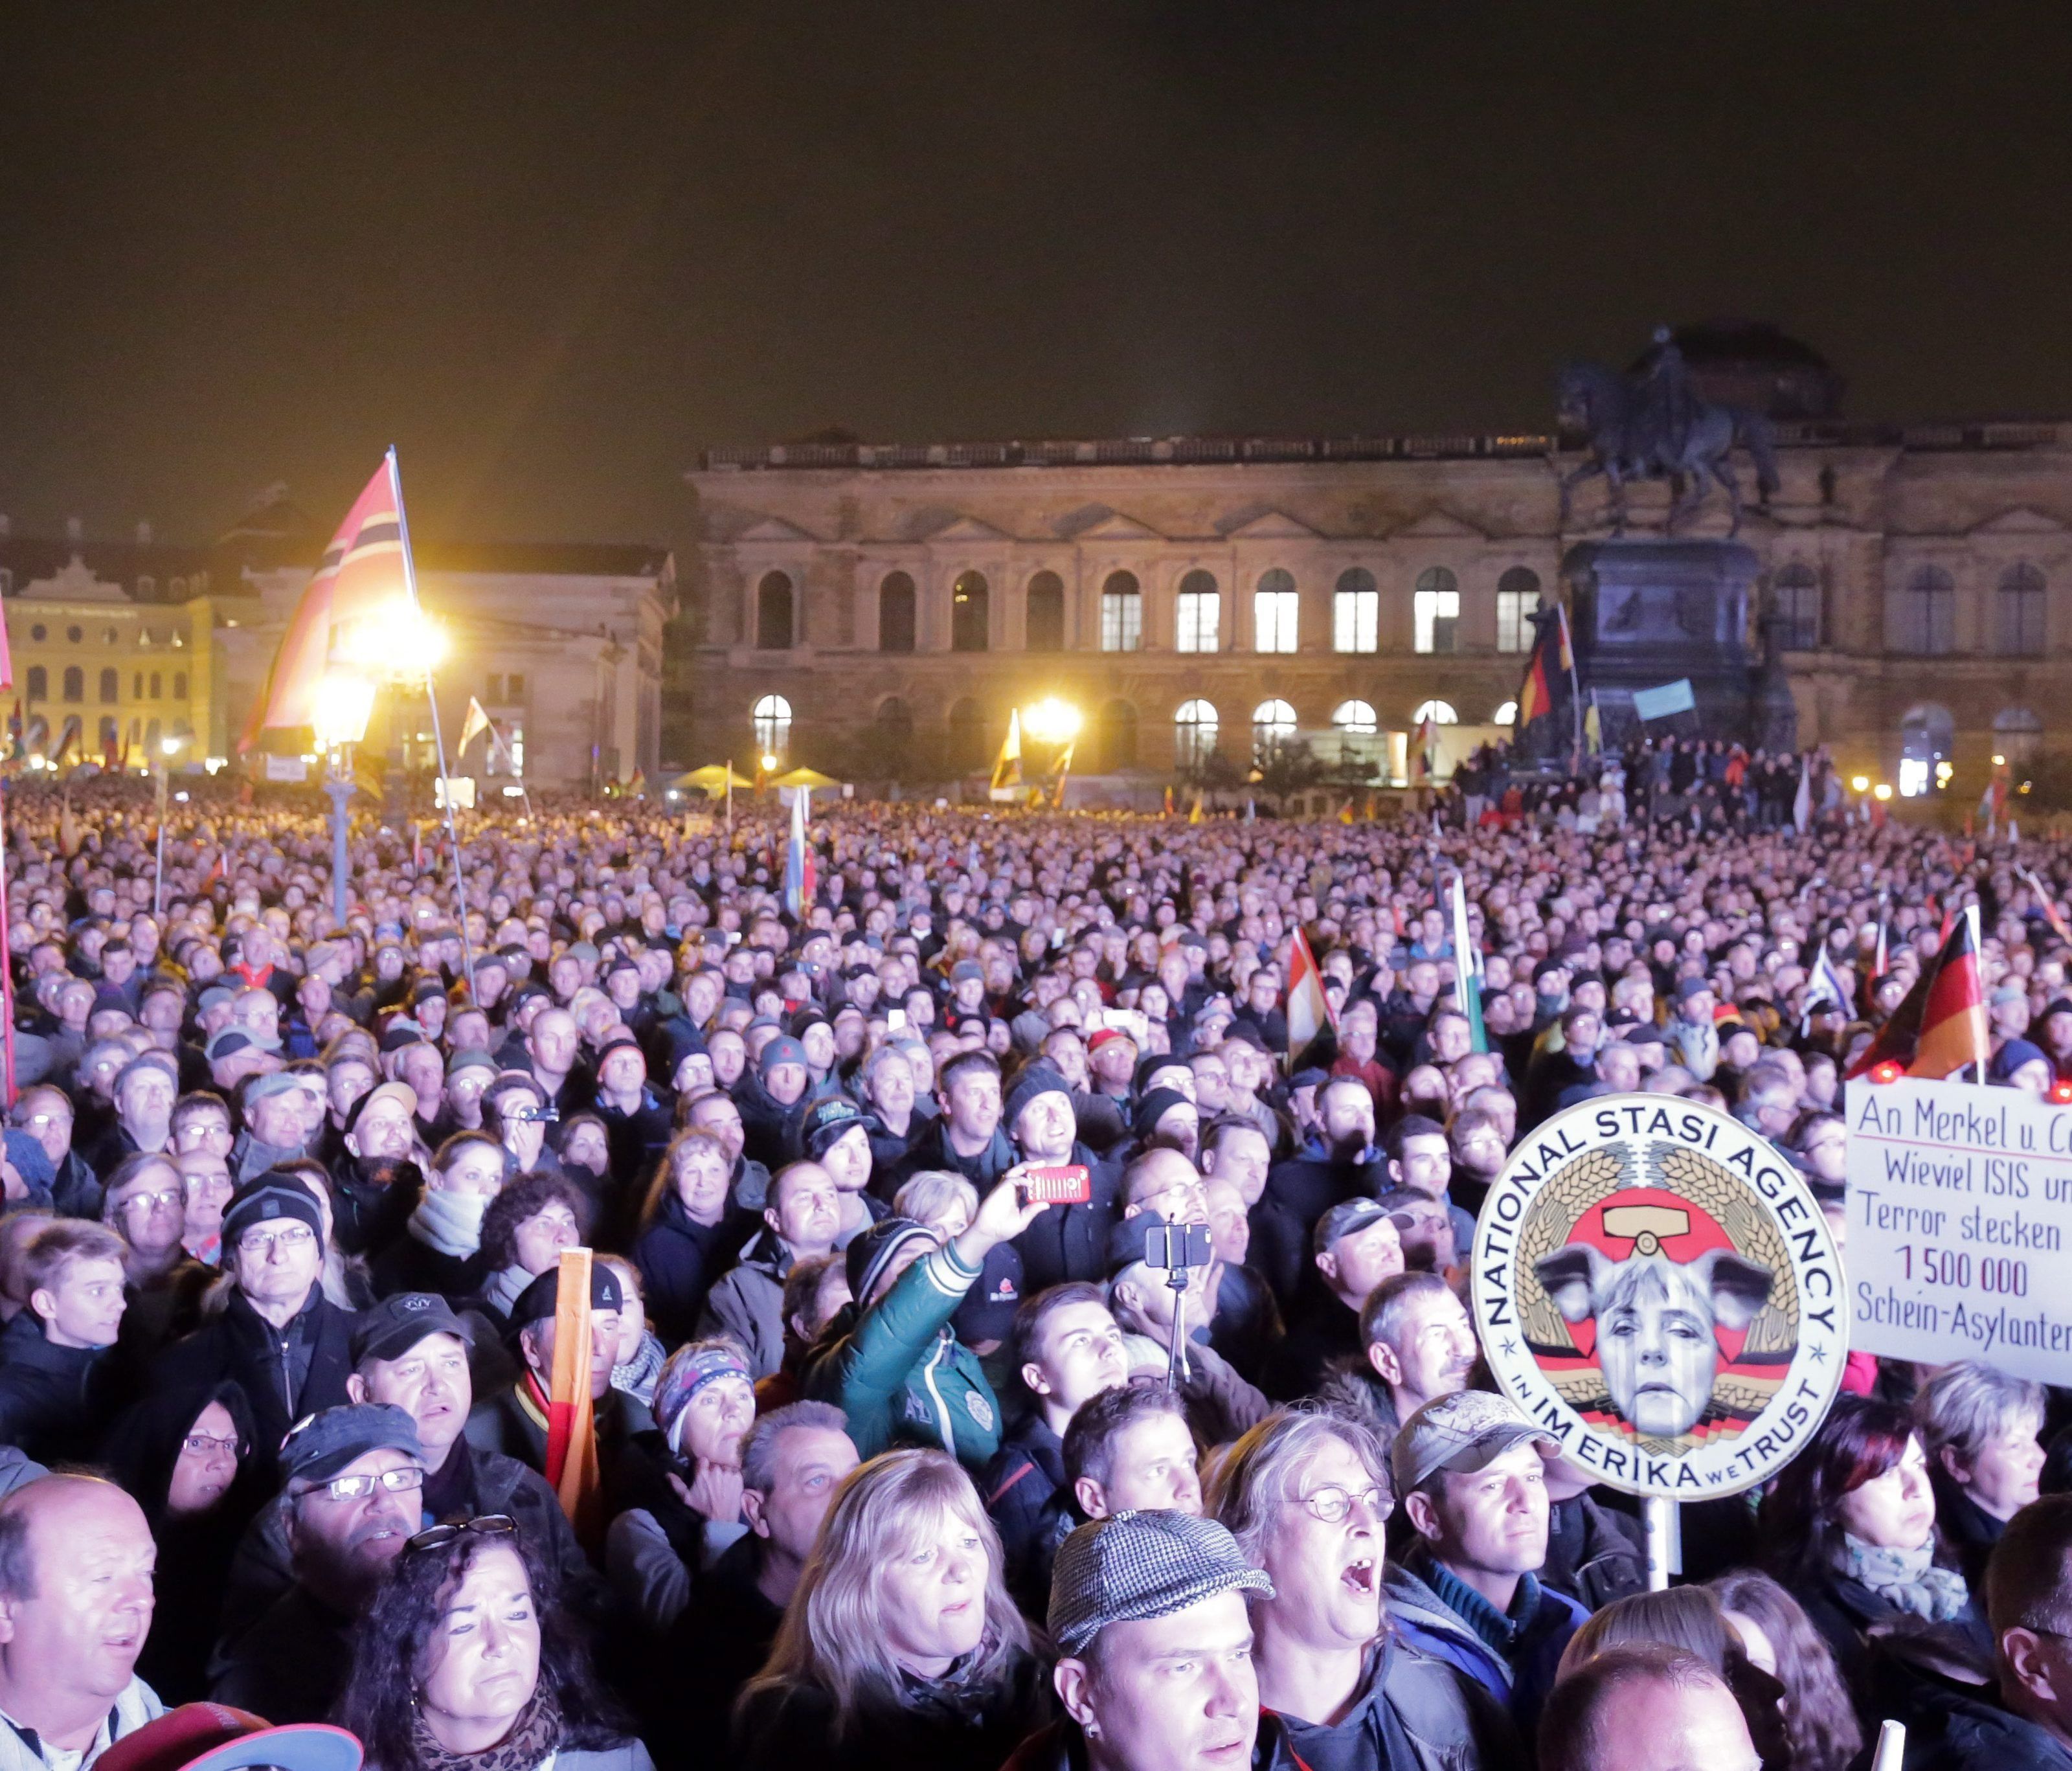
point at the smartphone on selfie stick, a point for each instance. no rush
(1178, 1251)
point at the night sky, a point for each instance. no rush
(554, 252)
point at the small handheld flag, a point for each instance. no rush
(1953, 1020)
(1308, 1009)
(476, 723)
(798, 867)
(1007, 769)
(1467, 968)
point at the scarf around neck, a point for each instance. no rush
(502, 1288)
(536, 1733)
(452, 1222)
(1907, 1580)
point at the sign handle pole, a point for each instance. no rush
(1657, 1516)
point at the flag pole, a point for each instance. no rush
(729, 796)
(1978, 960)
(7, 965)
(438, 737)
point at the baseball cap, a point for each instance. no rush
(233, 1040)
(1133, 1565)
(830, 1118)
(966, 968)
(1104, 1035)
(1346, 1219)
(397, 1323)
(1461, 1432)
(1693, 987)
(471, 1058)
(261, 1088)
(319, 1445)
(215, 1737)
(271, 1195)
(400, 1093)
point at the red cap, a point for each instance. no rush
(1106, 1034)
(215, 1737)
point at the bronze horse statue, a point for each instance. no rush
(1654, 427)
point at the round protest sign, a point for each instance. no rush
(1655, 1285)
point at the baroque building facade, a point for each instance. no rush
(856, 604)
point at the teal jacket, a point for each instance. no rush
(903, 1379)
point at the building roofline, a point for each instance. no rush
(1967, 434)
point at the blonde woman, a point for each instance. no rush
(900, 1647)
(686, 1240)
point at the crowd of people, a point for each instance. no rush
(911, 1453)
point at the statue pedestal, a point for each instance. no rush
(1647, 613)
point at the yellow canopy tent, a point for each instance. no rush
(806, 778)
(712, 779)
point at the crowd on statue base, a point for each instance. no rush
(897, 1466)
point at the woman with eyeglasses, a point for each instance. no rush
(900, 1647)
(466, 1661)
(185, 1457)
(1306, 1494)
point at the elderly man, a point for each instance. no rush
(276, 1126)
(285, 1345)
(1354, 1247)
(354, 1486)
(76, 1603)
(146, 1089)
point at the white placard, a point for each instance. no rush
(1960, 1211)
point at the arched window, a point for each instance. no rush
(1435, 610)
(895, 612)
(155, 680)
(1796, 600)
(1504, 715)
(1272, 724)
(1926, 737)
(1356, 612)
(179, 686)
(1194, 728)
(2021, 602)
(1276, 612)
(111, 688)
(75, 683)
(1928, 614)
(1115, 733)
(895, 722)
(1046, 623)
(1198, 614)
(971, 613)
(1438, 712)
(1517, 596)
(1357, 717)
(773, 613)
(1122, 613)
(772, 721)
(39, 683)
(2017, 734)
(967, 745)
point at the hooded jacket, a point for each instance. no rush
(1520, 1681)
(53, 1400)
(1413, 1713)
(748, 1302)
(679, 1258)
(902, 1377)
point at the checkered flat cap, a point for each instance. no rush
(1132, 1566)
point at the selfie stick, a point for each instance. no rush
(1176, 1357)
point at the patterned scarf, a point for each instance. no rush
(1907, 1580)
(536, 1733)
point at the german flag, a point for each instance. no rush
(1897, 1039)
(1953, 1020)
(1550, 661)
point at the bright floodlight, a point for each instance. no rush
(170, 747)
(769, 761)
(1882, 790)
(1051, 720)
(343, 701)
(1861, 783)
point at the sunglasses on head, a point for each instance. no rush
(437, 1537)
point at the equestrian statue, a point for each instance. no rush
(1653, 424)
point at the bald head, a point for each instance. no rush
(1644, 1706)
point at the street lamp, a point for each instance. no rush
(168, 747)
(1051, 720)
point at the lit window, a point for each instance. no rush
(772, 719)
(1273, 723)
(1439, 713)
(1435, 609)
(1199, 615)
(1357, 717)
(1356, 613)
(1194, 728)
(1517, 596)
(1122, 613)
(1275, 612)
(1504, 715)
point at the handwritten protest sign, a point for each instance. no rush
(1959, 1213)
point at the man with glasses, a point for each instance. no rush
(285, 1345)
(1470, 1468)
(1306, 1495)
(45, 1114)
(354, 1483)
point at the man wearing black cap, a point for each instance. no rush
(514, 1421)
(1067, 1241)
(355, 1478)
(1149, 1613)
(636, 1123)
(837, 1134)
(279, 1339)
(1355, 1246)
